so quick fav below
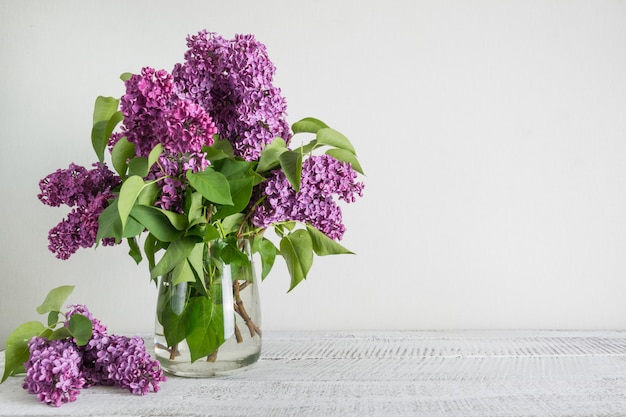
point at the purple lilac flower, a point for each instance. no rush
(75, 186)
(322, 178)
(87, 192)
(153, 115)
(172, 195)
(189, 128)
(53, 371)
(121, 361)
(147, 97)
(232, 80)
(116, 360)
(57, 369)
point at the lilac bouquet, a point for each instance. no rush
(74, 351)
(202, 159)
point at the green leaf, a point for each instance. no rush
(111, 124)
(231, 254)
(179, 221)
(196, 209)
(270, 154)
(55, 299)
(213, 154)
(150, 246)
(267, 252)
(170, 309)
(134, 250)
(126, 76)
(204, 327)
(331, 137)
(346, 156)
(105, 117)
(53, 318)
(323, 245)
(212, 185)
(297, 250)
(182, 273)
(110, 224)
(210, 233)
(196, 262)
(149, 194)
(121, 153)
(291, 163)
(128, 195)
(233, 169)
(241, 191)
(231, 223)
(133, 228)
(80, 328)
(160, 222)
(60, 334)
(308, 148)
(223, 145)
(138, 166)
(176, 253)
(16, 349)
(154, 155)
(308, 124)
(104, 108)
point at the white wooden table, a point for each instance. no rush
(413, 373)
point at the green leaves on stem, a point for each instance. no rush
(16, 349)
(297, 250)
(198, 320)
(78, 327)
(105, 119)
(298, 247)
(217, 201)
(277, 154)
(212, 185)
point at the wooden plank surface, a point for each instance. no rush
(417, 373)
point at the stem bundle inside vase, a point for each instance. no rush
(199, 327)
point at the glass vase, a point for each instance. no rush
(209, 328)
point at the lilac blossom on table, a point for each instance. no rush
(53, 371)
(121, 361)
(57, 370)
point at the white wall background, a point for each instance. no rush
(493, 134)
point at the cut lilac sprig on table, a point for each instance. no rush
(75, 352)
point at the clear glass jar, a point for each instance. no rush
(209, 328)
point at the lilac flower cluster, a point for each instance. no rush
(57, 369)
(225, 87)
(229, 79)
(323, 178)
(233, 81)
(53, 371)
(152, 115)
(123, 362)
(87, 192)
